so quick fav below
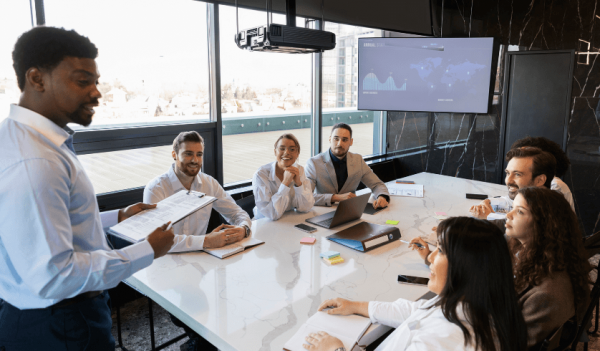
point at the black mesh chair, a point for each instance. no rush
(247, 204)
(587, 317)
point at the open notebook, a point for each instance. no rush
(232, 249)
(349, 329)
(174, 208)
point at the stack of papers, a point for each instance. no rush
(172, 209)
(411, 190)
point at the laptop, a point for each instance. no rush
(347, 210)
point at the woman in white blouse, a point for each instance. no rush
(476, 307)
(281, 186)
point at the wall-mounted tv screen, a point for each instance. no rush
(425, 74)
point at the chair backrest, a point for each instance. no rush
(247, 204)
(592, 244)
(587, 317)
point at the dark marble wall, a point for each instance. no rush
(466, 145)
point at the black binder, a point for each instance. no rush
(366, 236)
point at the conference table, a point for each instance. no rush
(258, 299)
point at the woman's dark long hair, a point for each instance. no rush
(480, 277)
(556, 244)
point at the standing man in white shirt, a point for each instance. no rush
(55, 263)
(185, 174)
(336, 173)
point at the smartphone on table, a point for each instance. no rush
(409, 279)
(305, 228)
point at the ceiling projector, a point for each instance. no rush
(286, 38)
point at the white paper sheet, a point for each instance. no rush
(411, 190)
(346, 328)
(173, 208)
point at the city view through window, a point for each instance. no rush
(153, 61)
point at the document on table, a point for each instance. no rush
(232, 249)
(349, 329)
(411, 190)
(173, 209)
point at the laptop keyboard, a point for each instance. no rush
(326, 223)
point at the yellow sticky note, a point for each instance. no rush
(389, 221)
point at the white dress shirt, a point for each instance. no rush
(190, 231)
(559, 186)
(272, 198)
(52, 245)
(418, 327)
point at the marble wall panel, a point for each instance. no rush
(466, 145)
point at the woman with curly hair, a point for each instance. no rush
(550, 266)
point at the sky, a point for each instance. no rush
(157, 43)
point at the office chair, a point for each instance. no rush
(592, 246)
(587, 317)
(247, 204)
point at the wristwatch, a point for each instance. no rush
(248, 233)
(340, 349)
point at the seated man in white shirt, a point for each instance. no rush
(190, 233)
(562, 163)
(185, 173)
(527, 166)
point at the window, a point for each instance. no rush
(153, 61)
(152, 58)
(263, 96)
(15, 18)
(339, 103)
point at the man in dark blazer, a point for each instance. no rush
(336, 173)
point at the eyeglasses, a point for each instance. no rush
(290, 149)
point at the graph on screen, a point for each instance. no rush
(425, 74)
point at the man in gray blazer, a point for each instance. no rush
(336, 173)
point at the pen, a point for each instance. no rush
(169, 227)
(417, 244)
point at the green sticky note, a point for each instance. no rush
(389, 221)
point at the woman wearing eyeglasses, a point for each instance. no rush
(281, 186)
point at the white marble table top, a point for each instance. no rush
(257, 300)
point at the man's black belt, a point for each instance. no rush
(77, 299)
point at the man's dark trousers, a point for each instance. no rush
(85, 325)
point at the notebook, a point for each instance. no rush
(172, 209)
(232, 249)
(349, 329)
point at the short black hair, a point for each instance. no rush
(46, 47)
(562, 161)
(343, 126)
(183, 137)
(543, 162)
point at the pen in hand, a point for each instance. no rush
(416, 244)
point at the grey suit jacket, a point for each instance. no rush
(319, 170)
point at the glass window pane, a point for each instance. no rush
(15, 19)
(118, 170)
(340, 81)
(152, 57)
(263, 96)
